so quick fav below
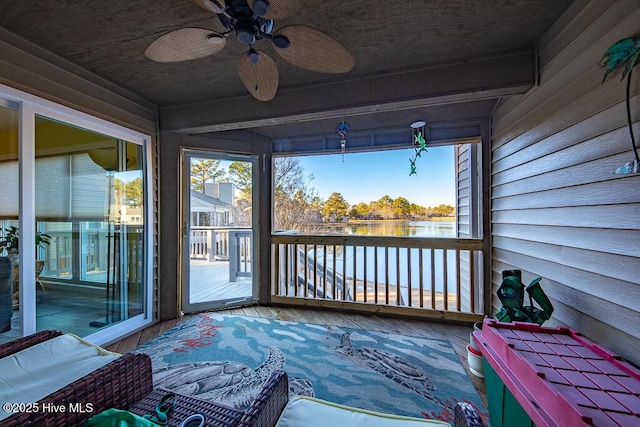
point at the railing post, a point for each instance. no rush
(211, 245)
(234, 256)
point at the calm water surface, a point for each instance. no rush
(398, 229)
(445, 229)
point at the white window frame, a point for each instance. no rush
(28, 107)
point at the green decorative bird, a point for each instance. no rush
(624, 53)
(419, 139)
(421, 143)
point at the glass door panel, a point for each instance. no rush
(218, 232)
(9, 216)
(89, 202)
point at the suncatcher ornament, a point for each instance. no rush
(343, 130)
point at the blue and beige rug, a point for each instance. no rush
(227, 358)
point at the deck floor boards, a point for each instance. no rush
(209, 281)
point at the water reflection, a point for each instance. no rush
(397, 229)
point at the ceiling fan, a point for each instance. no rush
(252, 21)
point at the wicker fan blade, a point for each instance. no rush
(261, 78)
(185, 44)
(215, 6)
(314, 50)
(279, 9)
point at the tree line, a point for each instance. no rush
(297, 205)
(385, 208)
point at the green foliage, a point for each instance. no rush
(443, 210)
(360, 211)
(240, 174)
(335, 208)
(9, 243)
(130, 193)
(624, 53)
(401, 207)
(205, 170)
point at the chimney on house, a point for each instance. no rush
(212, 189)
(222, 191)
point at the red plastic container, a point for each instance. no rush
(559, 377)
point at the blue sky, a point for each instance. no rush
(364, 177)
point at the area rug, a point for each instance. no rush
(371, 370)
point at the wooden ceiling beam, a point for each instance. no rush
(474, 79)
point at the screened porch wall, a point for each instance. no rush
(558, 209)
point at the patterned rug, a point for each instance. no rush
(227, 358)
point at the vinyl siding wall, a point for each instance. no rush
(557, 209)
(467, 218)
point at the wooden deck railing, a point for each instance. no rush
(223, 244)
(210, 243)
(386, 274)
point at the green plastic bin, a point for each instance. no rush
(504, 409)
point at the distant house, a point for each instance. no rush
(213, 207)
(132, 215)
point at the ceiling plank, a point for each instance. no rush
(30, 68)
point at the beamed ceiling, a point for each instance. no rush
(444, 61)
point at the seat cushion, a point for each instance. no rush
(311, 412)
(35, 372)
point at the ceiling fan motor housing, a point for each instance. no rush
(246, 31)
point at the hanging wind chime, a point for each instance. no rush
(343, 130)
(419, 143)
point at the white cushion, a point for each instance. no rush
(35, 372)
(311, 412)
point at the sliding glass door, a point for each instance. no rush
(9, 201)
(83, 214)
(218, 230)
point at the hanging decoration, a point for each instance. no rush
(343, 130)
(419, 143)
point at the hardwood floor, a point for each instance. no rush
(458, 335)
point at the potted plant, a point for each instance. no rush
(9, 247)
(9, 242)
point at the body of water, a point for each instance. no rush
(397, 228)
(399, 265)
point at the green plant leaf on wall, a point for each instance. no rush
(625, 52)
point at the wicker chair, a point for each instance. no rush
(127, 383)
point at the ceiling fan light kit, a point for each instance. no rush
(260, 7)
(253, 21)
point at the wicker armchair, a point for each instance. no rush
(127, 383)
